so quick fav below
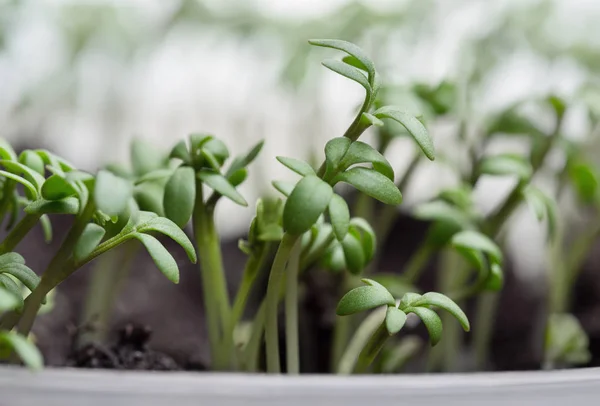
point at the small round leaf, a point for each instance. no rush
(371, 183)
(394, 320)
(306, 203)
(180, 196)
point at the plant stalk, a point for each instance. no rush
(216, 298)
(18, 232)
(366, 330)
(273, 291)
(291, 311)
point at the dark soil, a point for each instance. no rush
(129, 352)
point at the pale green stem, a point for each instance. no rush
(291, 311)
(273, 292)
(361, 337)
(18, 232)
(216, 298)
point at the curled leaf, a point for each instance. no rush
(414, 127)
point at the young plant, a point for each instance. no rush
(376, 295)
(200, 168)
(105, 216)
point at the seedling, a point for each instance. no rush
(105, 214)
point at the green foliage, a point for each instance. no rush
(112, 193)
(506, 164)
(566, 341)
(414, 127)
(180, 196)
(339, 214)
(371, 183)
(25, 349)
(89, 240)
(364, 298)
(306, 203)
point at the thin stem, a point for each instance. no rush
(273, 292)
(291, 311)
(365, 331)
(19, 232)
(252, 349)
(372, 349)
(341, 329)
(58, 270)
(107, 278)
(216, 298)
(251, 270)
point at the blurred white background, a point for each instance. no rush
(84, 77)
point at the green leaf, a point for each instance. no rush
(566, 340)
(46, 228)
(11, 286)
(353, 254)
(444, 302)
(161, 257)
(348, 71)
(441, 211)
(352, 61)
(56, 187)
(543, 207)
(243, 161)
(180, 196)
(145, 158)
(414, 127)
(339, 213)
(180, 151)
(477, 241)
(149, 197)
(167, 227)
(360, 152)
(70, 205)
(408, 299)
(334, 259)
(157, 175)
(364, 298)
(221, 185)
(33, 193)
(6, 151)
(394, 320)
(506, 164)
(558, 105)
(11, 258)
(306, 203)
(359, 226)
(585, 180)
(8, 300)
(432, 322)
(351, 49)
(495, 280)
(370, 119)
(218, 149)
(112, 193)
(283, 187)
(28, 173)
(296, 165)
(25, 349)
(212, 161)
(238, 177)
(335, 149)
(22, 273)
(90, 238)
(372, 183)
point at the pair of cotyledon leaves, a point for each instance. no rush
(352, 67)
(312, 196)
(203, 160)
(375, 295)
